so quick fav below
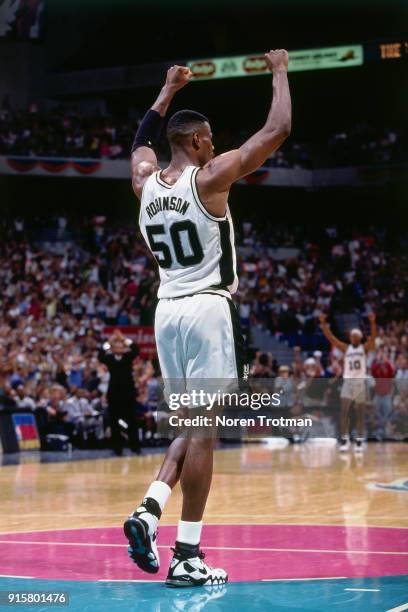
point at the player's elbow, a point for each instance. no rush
(279, 134)
(284, 129)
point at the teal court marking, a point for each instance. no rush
(354, 595)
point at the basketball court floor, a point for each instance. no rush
(298, 527)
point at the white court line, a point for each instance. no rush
(274, 524)
(399, 608)
(241, 548)
(365, 590)
(302, 579)
(118, 580)
(344, 517)
(11, 576)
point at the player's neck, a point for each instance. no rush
(179, 160)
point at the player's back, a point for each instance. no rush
(194, 250)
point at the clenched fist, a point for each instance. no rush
(178, 76)
(277, 60)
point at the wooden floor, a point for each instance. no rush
(252, 484)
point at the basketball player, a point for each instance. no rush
(354, 375)
(185, 220)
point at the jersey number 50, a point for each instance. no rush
(161, 249)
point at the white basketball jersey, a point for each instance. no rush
(355, 362)
(194, 250)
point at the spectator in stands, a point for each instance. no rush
(383, 373)
(398, 427)
(284, 385)
(82, 413)
(401, 376)
(57, 418)
(23, 400)
(312, 387)
(262, 366)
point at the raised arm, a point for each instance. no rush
(144, 160)
(342, 346)
(133, 349)
(370, 342)
(218, 175)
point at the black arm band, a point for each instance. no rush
(149, 130)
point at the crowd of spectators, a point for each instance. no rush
(313, 384)
(54, 307)
(68, 133)
(64, 133)
(53, 311)
(288, 277)
(346, 275)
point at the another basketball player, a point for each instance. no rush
(355, 379)
(185, 220)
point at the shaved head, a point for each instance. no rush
(189, 133)
(184, 123)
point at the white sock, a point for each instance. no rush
(189, 532)
(159, 491)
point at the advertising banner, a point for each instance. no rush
(26, 431)
(254, 65)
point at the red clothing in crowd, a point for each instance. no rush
(383, 372)
(35, 309)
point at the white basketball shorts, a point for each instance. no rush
(354, 389)
(198, 337)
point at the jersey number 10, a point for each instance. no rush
(354, 365)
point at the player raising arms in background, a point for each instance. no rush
(355, 379)
(185, 220)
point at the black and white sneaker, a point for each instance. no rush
(142, 547)
(187, 568)
(358, 446)
(344, 445)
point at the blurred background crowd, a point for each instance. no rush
(56, 304)
(67, 133)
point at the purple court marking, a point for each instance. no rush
(270, 551)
